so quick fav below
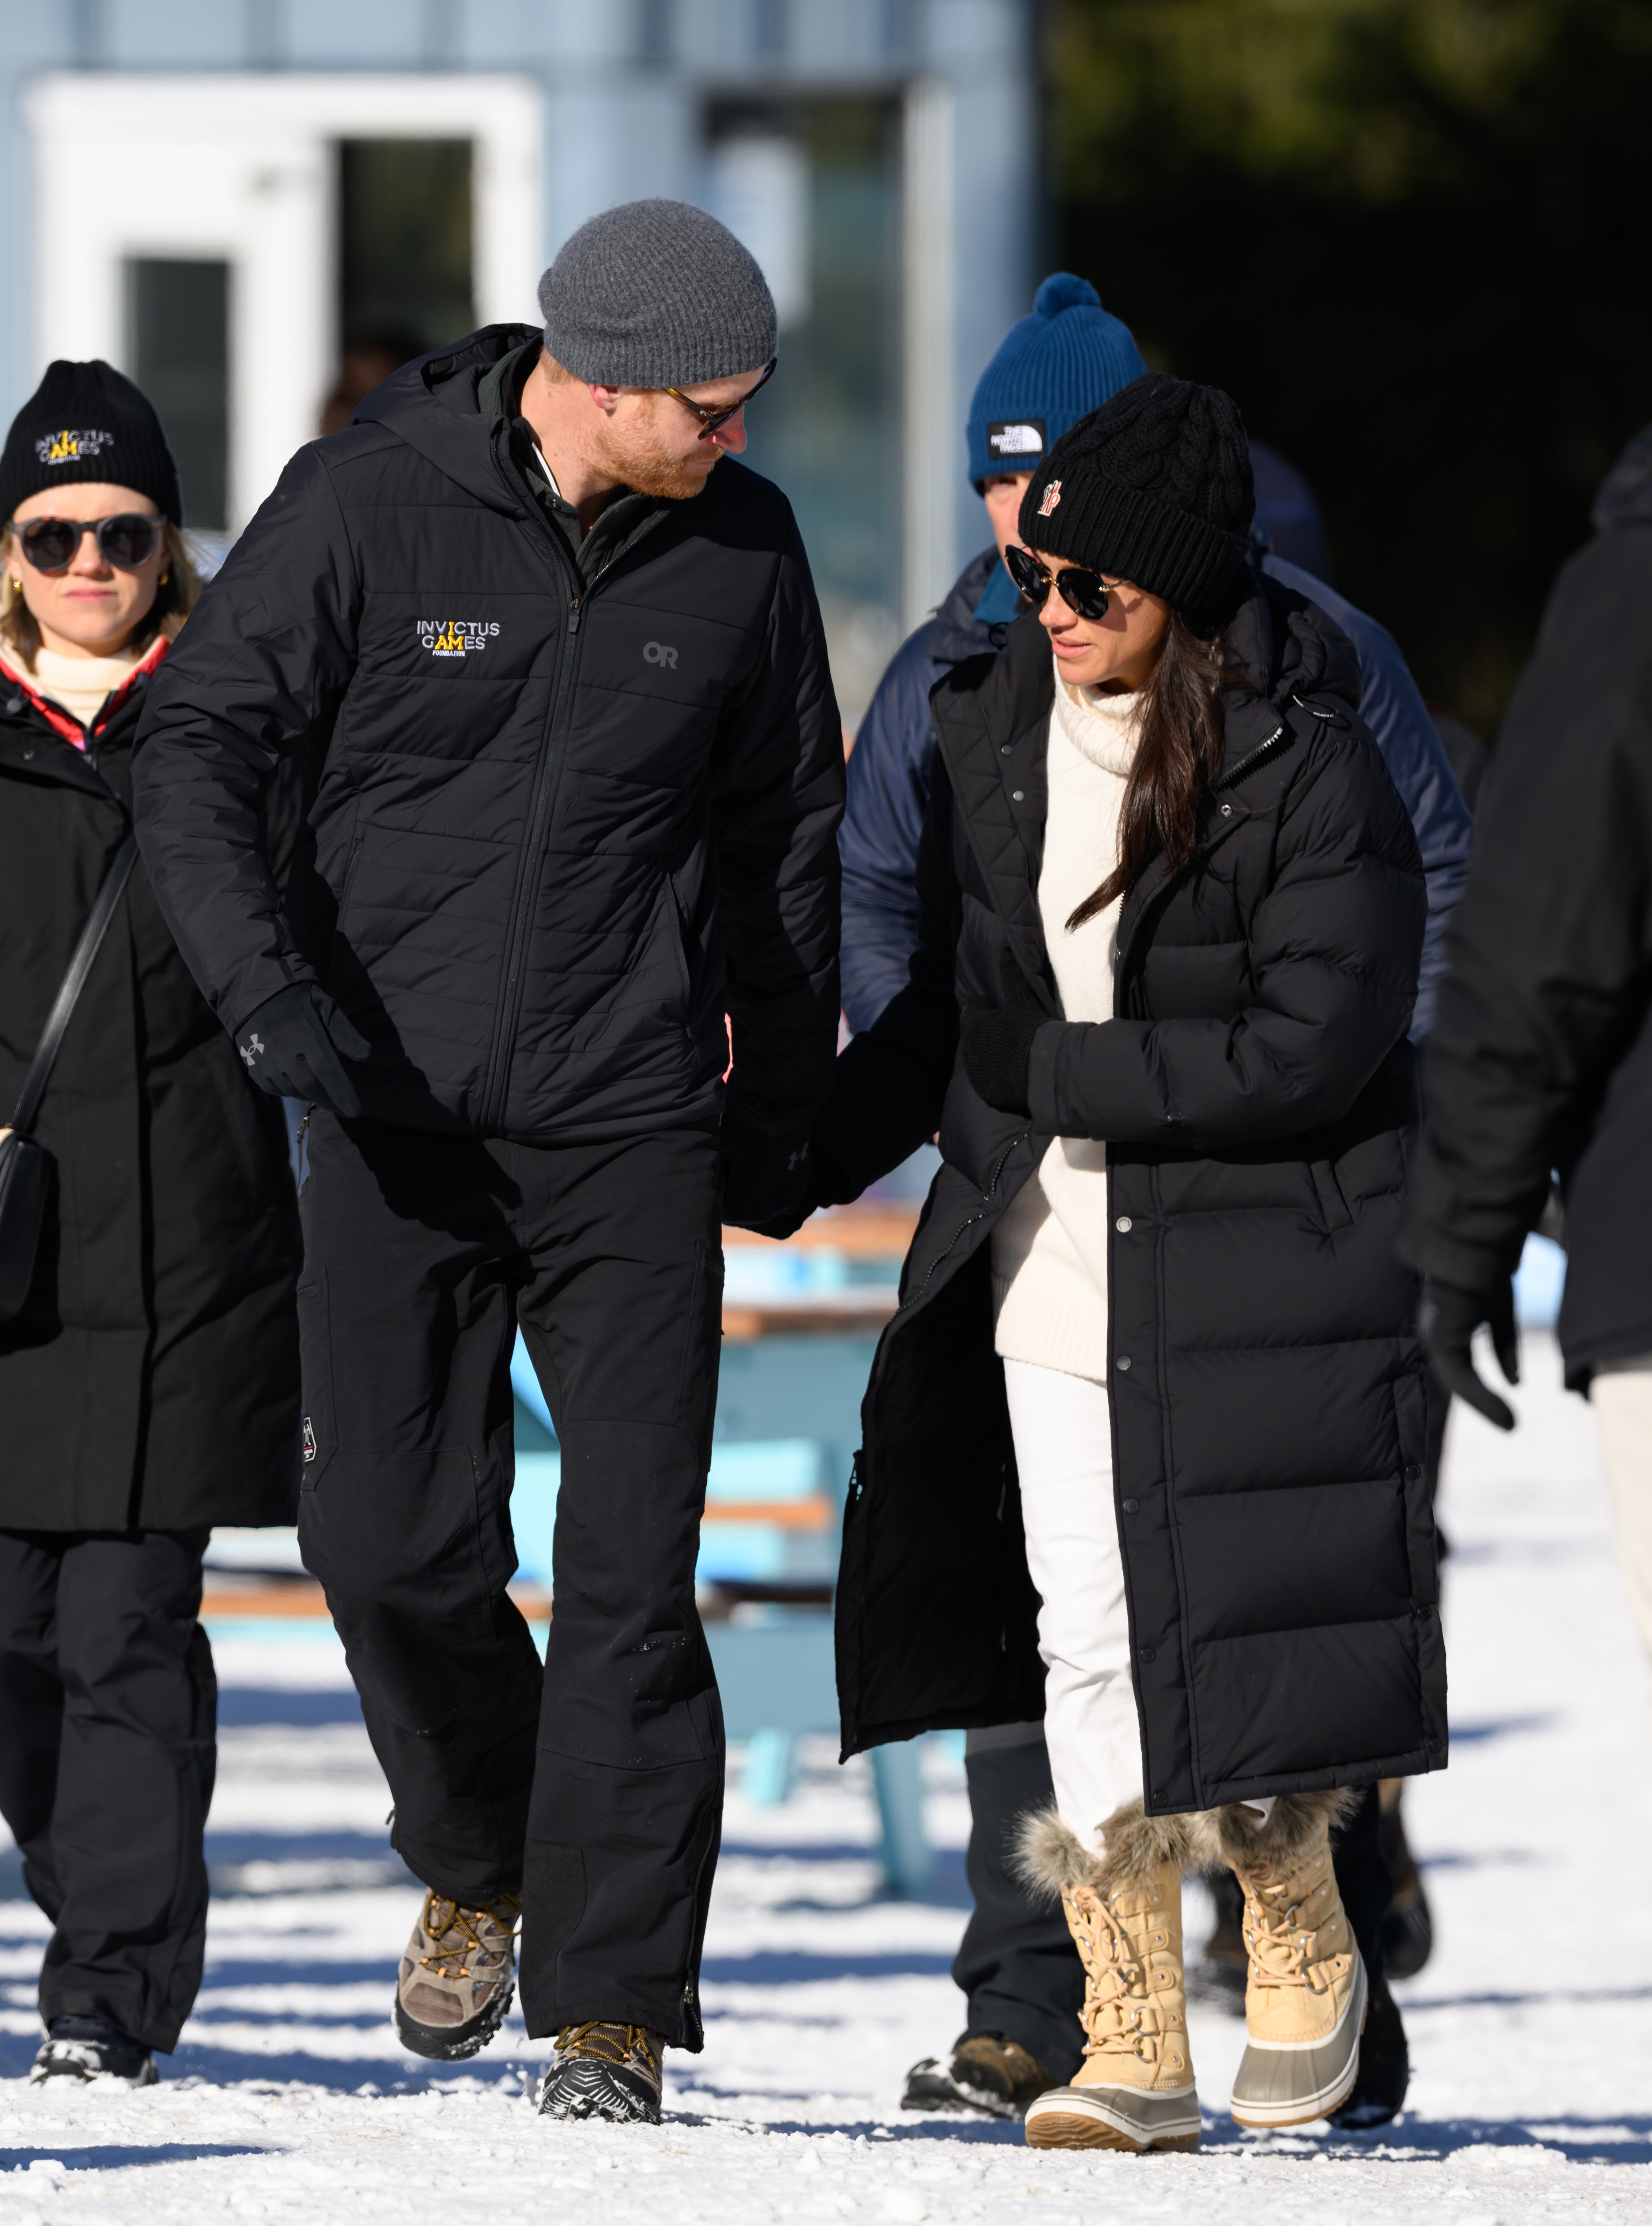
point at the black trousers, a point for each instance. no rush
(1017, 1965)
(108, 1720)
(594, 1787)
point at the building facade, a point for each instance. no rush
(233, 198)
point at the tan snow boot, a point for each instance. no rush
(1134, 2090)
(1306, 1991)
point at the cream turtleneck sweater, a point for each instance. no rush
(1049, 1260)
(80, 684)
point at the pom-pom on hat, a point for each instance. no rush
(1067, 358)
(87, 421)
(1153, 488)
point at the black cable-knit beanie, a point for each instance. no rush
(1153, 488)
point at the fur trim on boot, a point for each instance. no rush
(1050, 1857)
(1232, 1837)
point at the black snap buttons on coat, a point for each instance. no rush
(1124, 1363)
(1133, 1507)
(1005, 749)
(1148, 1654)
(1411, 1473)
(1019, 795)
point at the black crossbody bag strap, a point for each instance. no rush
(75, 981)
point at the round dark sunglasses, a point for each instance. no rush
(710, 419)
(126, 541)
(1083, 592)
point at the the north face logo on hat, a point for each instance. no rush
(1052, 497)
(1014, 438)
(67, 448)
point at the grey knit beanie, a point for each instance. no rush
(657, 294)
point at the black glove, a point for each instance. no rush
(998, 1040)
(1449, 1318)
(765, 1179)
(291, 1046)
(828, 1185)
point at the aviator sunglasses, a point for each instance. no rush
(1083, 592)
(710, 420)
(126, 542)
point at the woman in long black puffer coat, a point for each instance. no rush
(1174, 911)
(149, 1387)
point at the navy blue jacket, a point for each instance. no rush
(890, 770)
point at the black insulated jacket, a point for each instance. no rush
(1266, 1384)
(556, 828)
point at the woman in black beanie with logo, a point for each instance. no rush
(1152, 1316)
(149, 1249)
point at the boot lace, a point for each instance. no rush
(443, 1917)
(1280, 1953)
(1118, 1986)
(621, 2046)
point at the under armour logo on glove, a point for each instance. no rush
(251, 1049)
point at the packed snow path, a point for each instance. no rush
(1531, 2030)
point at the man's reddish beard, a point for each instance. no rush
(643, 458)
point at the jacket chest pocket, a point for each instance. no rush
(1197, 981)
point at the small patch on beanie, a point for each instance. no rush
(1052, 497)
(1015, 437)
(67, 448)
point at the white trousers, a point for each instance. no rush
(1063, 1450)
(1621, 1398)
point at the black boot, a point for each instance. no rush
(1384, 2067)
(1408, 1928)
(82, 2050)
(610, 2071)
(987, 2074)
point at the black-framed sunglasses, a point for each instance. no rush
(711, 419)
(126, 541)
(1083, 592)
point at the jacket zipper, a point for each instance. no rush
(349, 877)
(969, 1221)
(1251, 758)
(674, 909)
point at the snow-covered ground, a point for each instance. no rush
(1531, 2030)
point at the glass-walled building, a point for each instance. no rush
(257, 208)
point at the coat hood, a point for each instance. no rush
(431, 403)
(955, 632)
(1625, 496)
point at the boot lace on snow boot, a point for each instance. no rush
(1306, 1998)
(1134, 2090)
(604, 2070)
(83, 2050)
(457, 1975)
(1384, 2073)
(988, 2073)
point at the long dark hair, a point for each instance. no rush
(1176, 754)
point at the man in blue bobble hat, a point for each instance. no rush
(1016, 1964)
(1053, 368)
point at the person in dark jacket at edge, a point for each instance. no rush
(1173, 912)
(555, 663)
(1541, 1058)
(149, 1383)
(1016, 1964)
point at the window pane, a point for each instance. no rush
(405, 252)
(178, 346)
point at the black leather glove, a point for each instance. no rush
(828, 1185)
(998, 1040)
(765, 1179)
(1449, 1318)
(291, 1046)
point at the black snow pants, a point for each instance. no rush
(594, 1787)
(108, 1722)
(1017, 1965)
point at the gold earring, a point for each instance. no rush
(164, 577)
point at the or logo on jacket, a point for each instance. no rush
(66, 448)
(455, 636)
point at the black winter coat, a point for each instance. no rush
(1541, 1056)
(1257, 1092)
(151, 1379)
(558, 829)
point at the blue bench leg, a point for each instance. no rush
(766, 1779)
(908, 1863)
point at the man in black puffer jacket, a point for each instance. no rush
(561, 693)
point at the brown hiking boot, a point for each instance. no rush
(988, 2073)
(1306, 1998)
(1134, 2090)
(457, 1976)
(603, 2070)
